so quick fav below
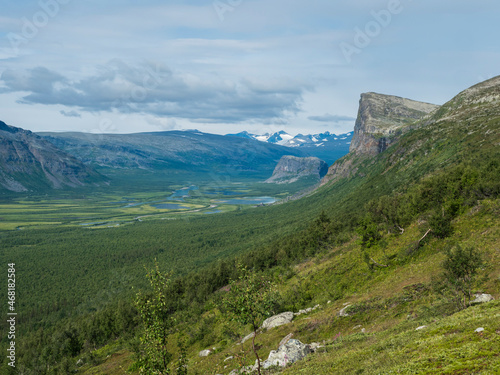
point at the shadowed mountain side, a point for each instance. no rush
(30, 163)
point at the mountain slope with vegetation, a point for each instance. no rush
(29, 163)
(371, 242)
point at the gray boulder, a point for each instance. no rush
(482, 298)
(278, 320)
(288, 353)
(205, 353)
(343, 312)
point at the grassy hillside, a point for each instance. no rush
(386, 305)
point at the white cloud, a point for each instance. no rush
(157, 90)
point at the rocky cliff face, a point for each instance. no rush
(28, 162)
(292, 168)
(382, 118)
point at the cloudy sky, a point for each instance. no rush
(223, 66)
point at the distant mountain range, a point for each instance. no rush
(173, 150)
(325, 146)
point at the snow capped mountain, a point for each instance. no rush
(285, 139)
(279, 138)
(326, 146)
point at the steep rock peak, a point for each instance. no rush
(381, 118)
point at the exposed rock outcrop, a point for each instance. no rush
(292, 168)
(307, 311)
(343, 311)
(28, 162)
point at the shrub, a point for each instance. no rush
(440, 223)
(250, 299)
(460, 270)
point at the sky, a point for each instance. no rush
(225, 66)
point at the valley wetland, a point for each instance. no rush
(105, 209)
